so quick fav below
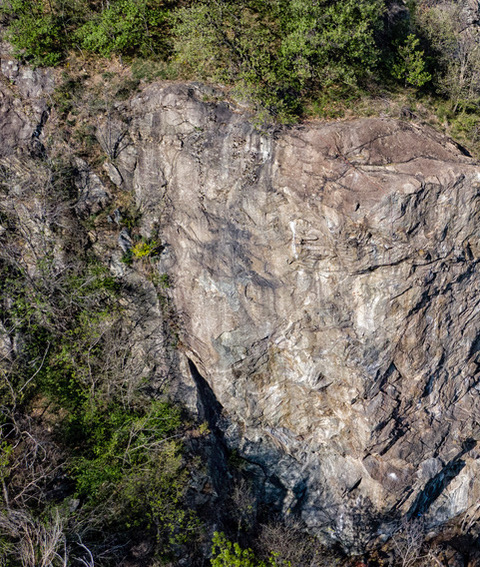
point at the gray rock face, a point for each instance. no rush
(15, 127)
(31, 83)
(327, 278)
(23, 103)
(92, 194)
(325, 281)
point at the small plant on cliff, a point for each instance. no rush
(145, 249)
(228, 554)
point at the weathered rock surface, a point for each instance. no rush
(327, 279)
(23, 102)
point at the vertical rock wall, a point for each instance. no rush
(327, 282)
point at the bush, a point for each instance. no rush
(145, 249)
(127, 27)
(331, 42)
(43, 32)
(410, 65)
(228, 554)
(276, 51)
(130, 470)
(40, 31)
(35, 34)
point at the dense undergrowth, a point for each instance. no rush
(90, 463)
(289, 58)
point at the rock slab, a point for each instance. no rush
(327, 281)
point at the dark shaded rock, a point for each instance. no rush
(125, 240)
(92, 193)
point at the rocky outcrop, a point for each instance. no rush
(23, 102)
(324, 280)
(327, 281)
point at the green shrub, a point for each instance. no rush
(131, 468)
(410, 65)
(276, 51)
(36, 35)
(63, 315)
(41, 31)
(331, 42)
(164, 281)
(126, 27)
(228, 554)
(145, 248)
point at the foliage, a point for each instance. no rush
(274, 51)
(164, 281)
(126, 26)
(285, 57)
(232, 42)
(228, 554)
(410, 65)
(144, 248)
(40, 31)
(129, 466)
(455, 50)
(331, 42)
(44, 31)
(454, 63)
(61, 316)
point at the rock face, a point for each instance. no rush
(23, 104)
(327, 281)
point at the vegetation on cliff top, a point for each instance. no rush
(289, 58)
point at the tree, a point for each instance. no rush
(410, 65)
(408, 542)
(43, 32)
(127, 27)
(456, 51)
(40, 31)
(328, 42)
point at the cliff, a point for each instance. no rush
(324, 285)
(326, 276)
